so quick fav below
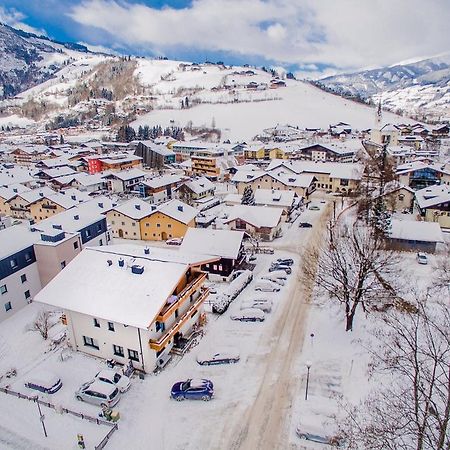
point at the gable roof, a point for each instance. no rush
(178, 210)
(258, 216)
(135, 208)
(411, 230)
(433, 195)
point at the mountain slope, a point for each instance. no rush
(27, 60)
(421, 87)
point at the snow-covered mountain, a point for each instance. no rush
(422, 87)
(27, 60)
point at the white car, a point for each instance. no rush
(278, 274)
(249, 315)
(174, 241)
(263, 304)
(422, 258)
(218, 356)
(114, 378)
(98, 393)
(266, 286)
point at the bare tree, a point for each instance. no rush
(42, 323)
(353, 268)
(411, 411)
(442, 272)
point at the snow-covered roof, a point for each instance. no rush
(433, 195)
(200, 185)
(120, 295)
(409, 230)
(178, 210)
(15, 175)
(163, 180)
(127, 174)
(223, 243)
(59, 172)
(274, 197)
(12, 190)
(16, 238)
(34, 195)
(135, 208)
(418, 165)
(258, 216)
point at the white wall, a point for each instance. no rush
(17, 289)
(96, 241)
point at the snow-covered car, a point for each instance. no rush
(422, 258)
(266, 286)
(44, 381)
(314, 208)
(286, 269)
(263, 304)
(278, 274)
(334, 441)
(98, 393)
(304, 225)
(115, 378)
(174, 241)
(284, 261)
(274, 280)
(249, 315)
(219, 356)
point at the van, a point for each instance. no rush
(44, 381)
(266, 286)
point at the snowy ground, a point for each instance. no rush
(258, 402)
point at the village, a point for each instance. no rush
(152, 261)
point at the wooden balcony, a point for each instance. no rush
(159, 344)
(169, 309)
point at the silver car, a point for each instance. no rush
(98, 393)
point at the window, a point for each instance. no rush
(118, 350)
(158, 225)
(63, 264)
(147, 224)
(401, 197)
(110, 326)
(88, 233)
(133, 355)
(99, 227)
(8, 306)
(75, 245)
(159, 326)
(112, 222)
(96, 323)
(27, 294)
(169, 225)
(133, 224)
(123, 223)
(89, 342)
(13, 263)
(3, 289)
(23, 278)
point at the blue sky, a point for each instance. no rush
(314, 37)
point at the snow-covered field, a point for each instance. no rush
(258, 402)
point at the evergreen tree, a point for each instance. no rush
(61, 139)
(186, 103)
(248, 197)
(140, 132)
(146, 133)
(380, 218)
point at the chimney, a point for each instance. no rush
(135, 268)
(146, 251)
(109, 262)
(121, 262)
(76, 217)
(100, 205)
(180, 208)
(41, 194)
(153, 207)
(73, 197)
(138, 207)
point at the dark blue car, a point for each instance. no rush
(200, 389)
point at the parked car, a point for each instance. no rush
(278, 274)
(335, 441)
(174, 241)
(98, 393)
(200, 389)
(251, 258)
(219, 356)
(115, 378)
(264, 304)
(283, 267)
(305, 225)
(273, 280)
(285, 261)
(314, 208)
(249, 315)
(422, 258)
(44, 381)
(266, 286)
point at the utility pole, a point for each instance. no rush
(308, 366)
(41, 416)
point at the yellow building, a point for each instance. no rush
(170, 220)
(254, 152)
(48, 206)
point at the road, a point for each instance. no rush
(265, 423)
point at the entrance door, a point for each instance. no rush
(120, 233)
(164, 236)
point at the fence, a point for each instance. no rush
(91, 419)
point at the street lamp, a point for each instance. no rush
(41, 416)
(308, 366)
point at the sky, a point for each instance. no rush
(312, 37)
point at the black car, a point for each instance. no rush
(305, 225)
(284, 261)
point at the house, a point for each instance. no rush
(197, 189)
(15, 175)
(125, 218)
(154, 156)
(212, 163)
(387, 134)
(226, 244)
(20, 203)
(146, 305)
(90, 183)
(160, 189)
(6, 194)
(19, 276)
(113, 162)
(260, 222)
(419, 174)
(399, 198)
(28, 154)
(320, 152)
(168, 220)
(433, 203)
(125, 180)
(414, 236)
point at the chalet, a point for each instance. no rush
(433, 203)
(160, 189)
(320, 152)
(197, 189)
(125, 180)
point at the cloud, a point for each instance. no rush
(14, 18)
(345, 34)
(99, 49)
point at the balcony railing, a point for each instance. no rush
(159, 344)
(169, 309)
